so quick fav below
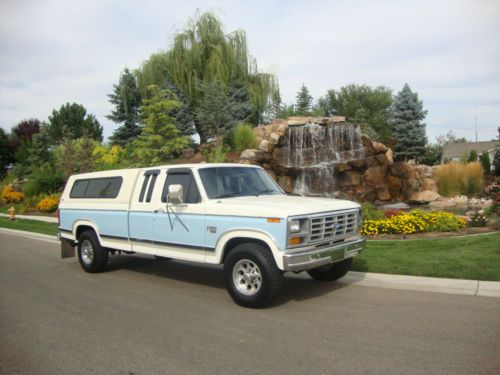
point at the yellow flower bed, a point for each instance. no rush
(11, 196)
(48, 205)
(414, 222)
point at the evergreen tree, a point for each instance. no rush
(472, 156)
(24, 132)
(486, 163)
(304, 101)
(276, 109)
(39, 152)
(218, 111)
(362, 104)
(496, 162)
(5, 152)
(160, 139)
(72, 119)
(126, 99)
(406, 117)
(183, 117)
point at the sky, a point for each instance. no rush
(54, 52)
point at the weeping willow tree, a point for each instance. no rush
(203, 52)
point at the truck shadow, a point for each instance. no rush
(296, 287)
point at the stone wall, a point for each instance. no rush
(374, 176)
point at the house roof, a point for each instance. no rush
(457, 150)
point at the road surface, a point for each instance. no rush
(158, 317)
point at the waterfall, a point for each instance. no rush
(314, 150)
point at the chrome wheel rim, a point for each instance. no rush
(87, 252)
(247, 277)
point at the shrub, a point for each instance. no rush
(216, 154)
(48, 205)
(460, 179)
(486, 163)
(370, 212)
(478, 220)
(244, 137)
(392, 212)
(414, 222)
(45, 180)
(9, 195)
(472, 156)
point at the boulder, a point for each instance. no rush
(424, 171)
(266, 146)
(480, 203)
(341, 167)
(375, 175)
(379, 148)
(428, 184)
(297, 120)
(461, 201)
(277, 139)
(371, 161)
(390, 156)
(423, 197)
(286, 183)
(394, 185)
(411, 185)
(348, 178)
(383, 193)
(255, 155)
(402, 169)
(443, 204)
(365, 193)
(382, 159)
(357, 164)
(368, 145)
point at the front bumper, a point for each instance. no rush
(307, 257)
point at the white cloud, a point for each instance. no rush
(52, 52)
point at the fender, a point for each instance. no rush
(87, 223)
(249, 233)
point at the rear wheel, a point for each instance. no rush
(252, 277)
(92, 256)
(331, 272)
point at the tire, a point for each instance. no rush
(331, 272)
(251, 275)
(92, 256)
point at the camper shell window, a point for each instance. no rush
(106, 187)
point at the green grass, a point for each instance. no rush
(29, 225)
(475, 258)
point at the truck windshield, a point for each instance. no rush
(228, 182)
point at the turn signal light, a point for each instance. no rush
(273, 220)
(294, 241)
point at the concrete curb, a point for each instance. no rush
(47, 219)
(372, 280)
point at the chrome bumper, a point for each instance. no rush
(308, 257)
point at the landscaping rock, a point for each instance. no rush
(375, 175)
(255, 155)
(480, 203)
(429, 184)
(266, 146)
(383, 193)
(443, 204)
(423, 197)
(461, 201)
(379, 148)
(424, 171)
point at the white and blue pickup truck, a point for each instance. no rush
(230, 214)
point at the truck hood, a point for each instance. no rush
(280, 206)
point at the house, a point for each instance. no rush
(457, 151)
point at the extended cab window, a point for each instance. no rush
(106, 187)
(186, 179)
(149, 178)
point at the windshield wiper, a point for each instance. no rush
(224, 196)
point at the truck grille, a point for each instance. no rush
(332, 225)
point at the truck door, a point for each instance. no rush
(178, 231)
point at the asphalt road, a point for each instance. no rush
(158, 317)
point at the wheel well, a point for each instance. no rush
(82, 228)
(233, 242)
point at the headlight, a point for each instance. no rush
(294, 226)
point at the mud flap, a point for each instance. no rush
(67, 248)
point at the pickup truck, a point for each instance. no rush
(230, 214)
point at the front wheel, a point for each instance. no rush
(92, 256)
(331, 272)
(251, 275)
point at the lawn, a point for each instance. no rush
(475, 258)
(29, 225)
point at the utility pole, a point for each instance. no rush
(475, 121)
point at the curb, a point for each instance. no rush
(47, 219)
(365, 279)
(423, 284)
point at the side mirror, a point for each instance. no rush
(175, 194)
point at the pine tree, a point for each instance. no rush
(183, 117)
(218, 111)
(160, 139)
(486, 163)
(304, 101)
(406, 117)
(276, 105)
(126, 99)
